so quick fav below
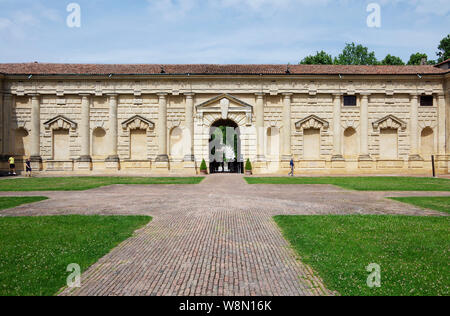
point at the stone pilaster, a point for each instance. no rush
(260, 127)
(84, 162)
(35, 148)
(189, 158)
(162, 161)
(189, 122)
(337, 130)
(447, 107)
(364, 127)
(6, 121)
(2, 138)
(441, 123)
(162, 128)
(287, 150)
(113, 161)
(414, 128)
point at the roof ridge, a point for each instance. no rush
(211, 69)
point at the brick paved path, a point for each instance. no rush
(216, 238)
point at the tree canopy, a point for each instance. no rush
(392, 60)
(416, 59)
(356, 55)
(444, 49)
(320, 58)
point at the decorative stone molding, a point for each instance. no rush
(174, 123)
(138, 122)
(61, 101)
(350, 124)
(312, 121)
(23, 125)
(60, 122)
(210, 118)
(425, 124)
(389, 121)
(222, 104)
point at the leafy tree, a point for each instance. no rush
(392, 60)
(444, 49)
(356, 55)
(416, 59)
(321, 58)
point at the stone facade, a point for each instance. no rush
(160, 124)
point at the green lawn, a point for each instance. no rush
(441, 204)
(10, 202)
(35, 251)
(85, 183)
(413, 252)
(363, 183)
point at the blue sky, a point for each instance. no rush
(214, 31)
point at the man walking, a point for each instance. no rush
(28, 167)
(292, 168)
(12, 166)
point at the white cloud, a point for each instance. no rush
(18, 23)
(171, 9)
(5, 23)
(437, 7)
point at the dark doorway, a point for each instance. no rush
(225, 148)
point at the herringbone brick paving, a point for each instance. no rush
(216, 238)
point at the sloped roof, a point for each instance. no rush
(205, 69)
(444, 62)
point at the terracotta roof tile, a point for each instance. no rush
(149, 69)
(444, 62)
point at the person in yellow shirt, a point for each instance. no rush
(12, 166)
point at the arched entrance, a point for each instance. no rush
(225, 148)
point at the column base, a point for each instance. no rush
(261, 158)
(84, 163)
(286, 158)
(36, 163)
(189, 158)
(365, 158)
(415, 157)
(366, 162)
(161, 167)
(112, 162)
(337, 158)
(189, 168)
(162, 158)
(338, 162)
(85, 158)
(260, 167)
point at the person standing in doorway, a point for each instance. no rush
(12, 166)
(292, 167)
(28, 167)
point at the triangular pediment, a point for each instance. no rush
(218, 102)
(60, 122)
(389, 121)
(312, 121)
(138, 122)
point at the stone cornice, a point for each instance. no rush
(216, 86)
